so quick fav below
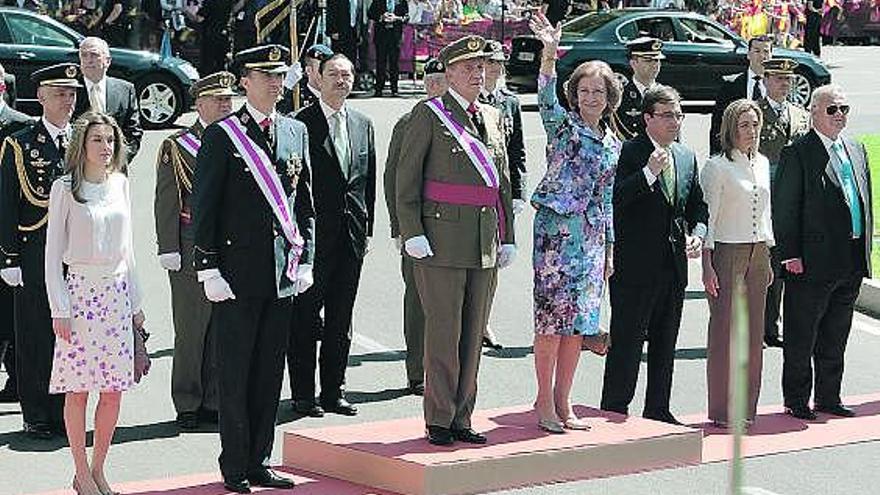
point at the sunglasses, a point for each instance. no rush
(832, 109)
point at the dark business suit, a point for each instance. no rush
(344, 204)
(339, 25)
(730, 90)
(31, 160)
(386, 37)
(237, 234)
(121, 103)
(11, 120)
(811, 221)
(650, 274)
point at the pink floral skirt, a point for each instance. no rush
(100, 355)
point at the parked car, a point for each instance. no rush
(699, 51)
(31, 41)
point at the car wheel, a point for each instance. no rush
(801, 89)
(365, 81)
(160, 101)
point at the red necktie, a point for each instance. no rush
(265, 124)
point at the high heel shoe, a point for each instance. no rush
(551, 426)
(574, 423)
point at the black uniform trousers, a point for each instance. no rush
(818, 318)
(251, 339)
(774, 298)
(7, 337)
(35, 339)
(640, 312)
(387, 58)
(337, 274)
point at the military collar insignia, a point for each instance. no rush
(244, 118)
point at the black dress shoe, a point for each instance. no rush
(438, 435)
(468, 435)
(773, 342)
(269, 479)
(38, 431)
(8, 396)
(665, 417)
(340, 406)
(187, 420)
(837, 410)
(491, 344)
(801, 412)
(416, 388)
(308, 408)
(237, 486)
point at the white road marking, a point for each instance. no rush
(369, 344)
(753, 490)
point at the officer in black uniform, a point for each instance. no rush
(254, 228)
(308, 85)
(31, 159)
(644, 58)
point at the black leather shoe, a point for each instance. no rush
(416, 388)
(801, 412)
(308, 408)
(491, 344)
(8, 396)
(665, 417)
(468, 435)
(38, 431)
(438, 435)
(269, 479)
(237, 486)
(340, 406)
(837, 410)
(187, 420)
(773, 342)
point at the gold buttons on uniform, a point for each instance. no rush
(228, 242)
(204, 261)
(8, 261)
(437, 215)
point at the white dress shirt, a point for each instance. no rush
(700, 228)
(55, 131)
(751, 83)
(93, 238)
(738, 194)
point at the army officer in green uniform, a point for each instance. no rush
(193, 379)
(456, 220)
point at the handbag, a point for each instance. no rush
(141, 356)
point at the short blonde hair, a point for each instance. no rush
(823, 92)
(75, 158)
(593, 68)
(729, 121)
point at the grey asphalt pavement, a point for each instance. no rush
(148, 445)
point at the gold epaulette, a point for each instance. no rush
(25, 187)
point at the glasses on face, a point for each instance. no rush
(833, 109)
(676, 116)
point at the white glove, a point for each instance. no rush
(398, 243)
(293, 76)
(217, 289)
(367, 245)
(170, 261)
(12, 277)
(519, 205)
(418, 247)
(506, 255)
(304, 279)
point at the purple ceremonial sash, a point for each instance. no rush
(190, 143)
(475, 150)
(264, 174)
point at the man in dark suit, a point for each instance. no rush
(748, 84)
(309, 92)
(343, 154)
(388, 18)
(11, 120)
(254, 228)
(32, 159)
(823, 223)
(659, 221)
(342, 21)
(644, 58)
(109, 95)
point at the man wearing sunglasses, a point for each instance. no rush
(823, 224)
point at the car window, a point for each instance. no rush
(700, 31)
(586, 24)
(655, 27)
(26, 30)
(4, 33)
(628, 31)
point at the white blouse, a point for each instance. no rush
(93, 238)
(738, 194)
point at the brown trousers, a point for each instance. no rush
(413, 323)
(746, 266)
(456, 303)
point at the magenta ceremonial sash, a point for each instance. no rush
(190, 143)
(267, 180)
(466, 194)
(474, 148)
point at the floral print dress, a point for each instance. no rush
(573, 222)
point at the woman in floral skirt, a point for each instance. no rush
(573, 232)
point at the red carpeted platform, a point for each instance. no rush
(394, 455)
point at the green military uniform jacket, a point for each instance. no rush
(461, 236)
(174, 177)
(780, 130)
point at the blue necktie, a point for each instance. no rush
(850, 189)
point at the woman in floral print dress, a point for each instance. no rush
(96, 306)
(573, 231)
